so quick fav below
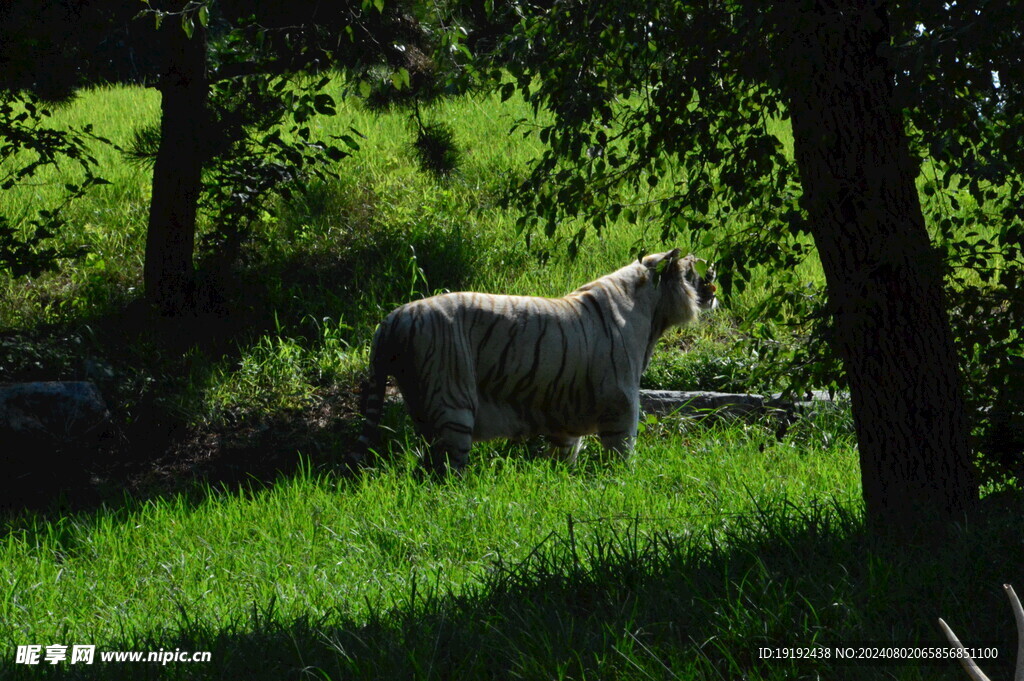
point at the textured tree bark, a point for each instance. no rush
(170, 241)
(884, 279)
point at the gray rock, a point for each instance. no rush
(50, 435)
(61, 412)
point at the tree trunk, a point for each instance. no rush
(884, 279)
(170, 242)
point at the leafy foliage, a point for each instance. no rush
(671, 114)
(28, 145)
(435, 149)
(960, 72)
(262, 147)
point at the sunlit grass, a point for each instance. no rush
(714, 541)
(314, 545)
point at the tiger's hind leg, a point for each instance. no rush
(450, 444)
(565, 448)
(450, 438)
(438, 382)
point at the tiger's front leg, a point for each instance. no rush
(621, 443)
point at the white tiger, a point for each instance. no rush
(474, 366)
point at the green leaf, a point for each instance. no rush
(400, 79)
(188, 25)
(204, 15)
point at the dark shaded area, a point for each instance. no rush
(635, 605)
(435, 149)
(56, 46)
(153, 451)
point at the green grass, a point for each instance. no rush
(358, 539)
(316, 549)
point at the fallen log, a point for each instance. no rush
(702, 403)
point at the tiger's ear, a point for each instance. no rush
(702, 267)
(658, 263)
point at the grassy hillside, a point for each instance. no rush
(317, 276)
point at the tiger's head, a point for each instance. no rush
(689, 278)
(701, 275)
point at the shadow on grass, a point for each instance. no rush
(152, 372)
(637, 606)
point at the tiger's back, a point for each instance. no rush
(524, 365)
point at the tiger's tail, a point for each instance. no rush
(373, 388)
